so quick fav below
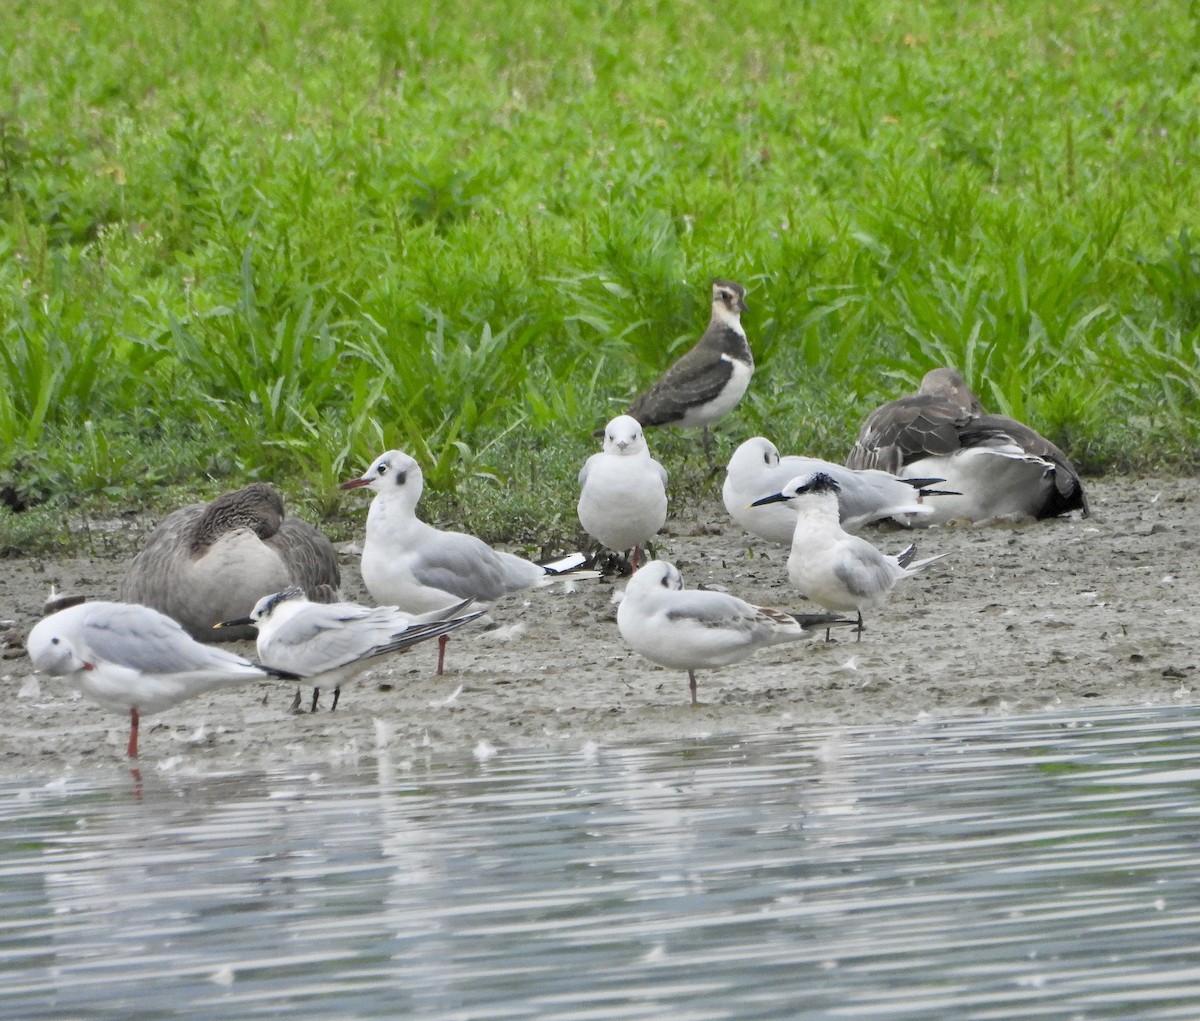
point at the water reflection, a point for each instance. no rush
(1038, 867)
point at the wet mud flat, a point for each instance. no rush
(1057, 614)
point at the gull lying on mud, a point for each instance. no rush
(210, 562)
(131, 658)
(756, 469)
(828, 565)
(623, 490)
(333, 643)
(690, 629)
(997, 466)
(418, 568)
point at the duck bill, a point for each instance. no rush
(355, 483)
(773, 498)
(236, 622)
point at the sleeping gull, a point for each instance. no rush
(210, 562)
(691, 629)
(999, 467)
(756, 469)
(418, 568)
(332, 643)
(623, 490)
(828, 565)
(132, 658)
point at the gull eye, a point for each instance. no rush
(666, 581)
(766, 458)
(53, 641)
(381, 468)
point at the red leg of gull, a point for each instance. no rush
(692, 685)
(443, 641)
(633, 560)
(131, 751)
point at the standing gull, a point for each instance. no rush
(623, 490)
(756, 469)
(210, 562)
(332, 643)
(705, 384)
(418, 568)
(999, 467)
(689, 629)
(828, 565)
(131, 658)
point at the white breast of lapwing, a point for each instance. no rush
(720, 406)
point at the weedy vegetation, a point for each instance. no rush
(270, 239)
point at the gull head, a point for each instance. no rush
(756, 454)
(657, 574)
(623, 435)
(391, 473)
(50, 648)
(728, 298)
(817, 484)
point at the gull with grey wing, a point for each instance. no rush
(691, 629)
(131, 658)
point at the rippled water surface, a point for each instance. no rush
(1043, 867)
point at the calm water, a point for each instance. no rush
(1043, 867)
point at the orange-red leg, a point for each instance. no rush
(131, 751)
(443, 641)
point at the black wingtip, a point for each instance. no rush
(283, 675)
(817, 621)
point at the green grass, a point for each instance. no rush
(269, 239)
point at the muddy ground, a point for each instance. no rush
(1058, 614)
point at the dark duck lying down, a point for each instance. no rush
(212, 562)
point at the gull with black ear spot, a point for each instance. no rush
(828, 565)
(757, 469)
(707, 382)
(417, 568)
(691, 629)
(623, 490)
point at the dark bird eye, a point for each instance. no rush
(766, 458)
(666, 581)
(53, 641)
(381, 469)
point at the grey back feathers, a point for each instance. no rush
(206, 563)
